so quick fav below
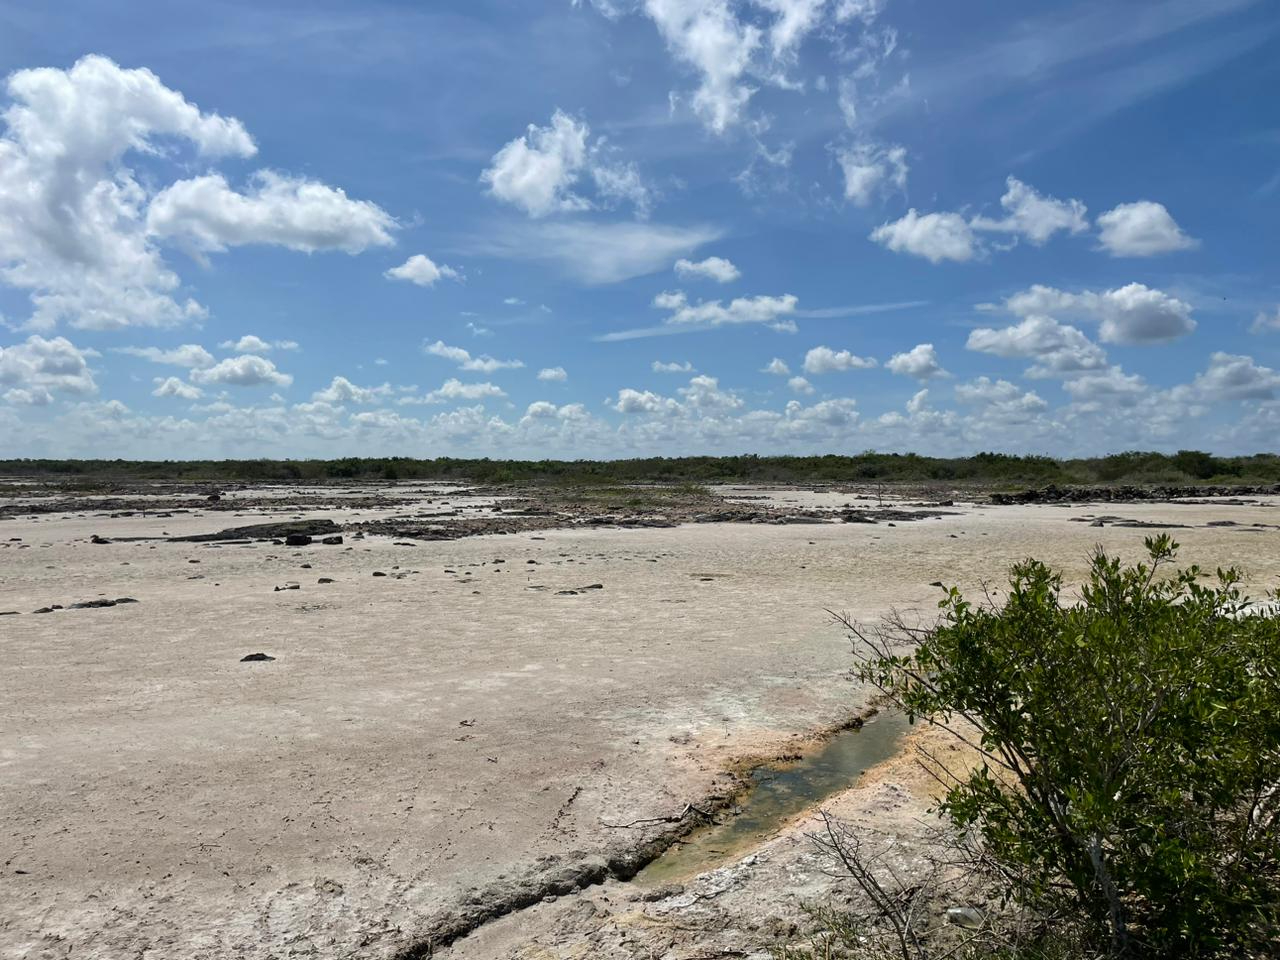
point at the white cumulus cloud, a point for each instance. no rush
(941, 236)
(250, 343)
(280, 210)
(553, 374)
(1034, 216)
(712, 268)
(173, 387)
(454, 389)
(920, 362)
(1234, 377)
(541, 171)
(643, 401)
(80, 231)
(821, 360)
(1132, 314)
(34, 370)
(596, 253)
(1266, 322)
(1141, 229)
(422, 271)
(243, 371)
(778, 367)
(188, 355)
(870, 169)
(1056, 348)
(1001, 400)
(465, 361)
(933, 236)
(714, 313)
(342, 390)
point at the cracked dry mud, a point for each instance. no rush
(458, 740)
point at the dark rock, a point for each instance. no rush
(1127, 493)
(97, 539)
(853, 516)
(43, 610)
(87, 604)
(325, 580)
(297, 540)
(332, 541)
(378, 573)
(268, 531)
(256, 658)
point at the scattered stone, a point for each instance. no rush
(305, 566)
(332, 541)
(256, 658)
(297, 540)
(43, 610)
(325, 580)
(378, 573)
(97, 539)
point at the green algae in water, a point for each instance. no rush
(776, 795)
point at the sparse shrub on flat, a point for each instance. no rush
(1129, 781)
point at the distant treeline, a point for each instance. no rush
(983, 468)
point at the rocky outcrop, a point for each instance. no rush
(1128, 493)
(280, 530)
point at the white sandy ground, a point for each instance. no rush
(159, 798)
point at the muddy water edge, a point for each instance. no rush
(778, 792)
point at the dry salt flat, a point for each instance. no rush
(458, 739)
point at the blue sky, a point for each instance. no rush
(633, 227)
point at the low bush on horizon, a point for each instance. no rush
(996, 469)
(1126, 798)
